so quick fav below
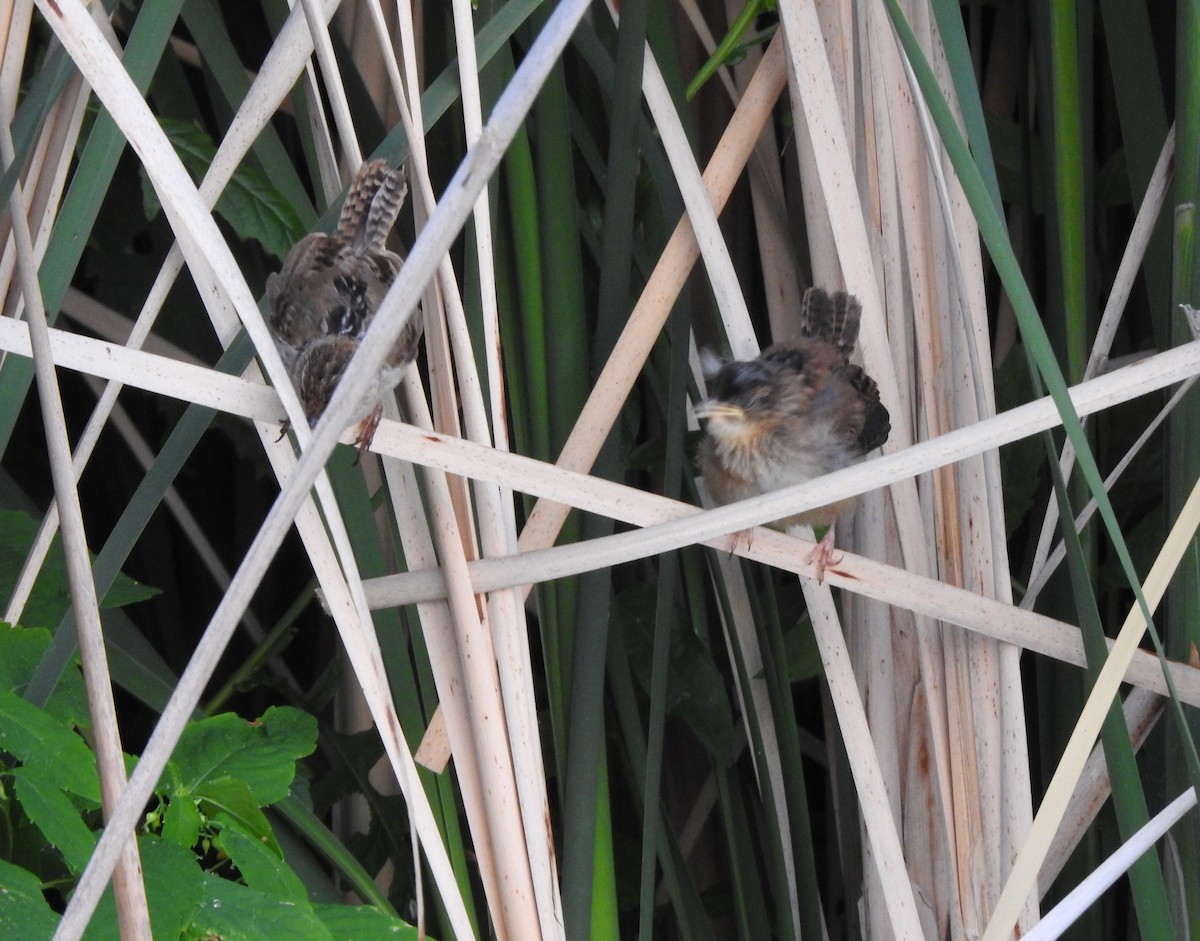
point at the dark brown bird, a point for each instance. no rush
(323, 300)
(798, 411)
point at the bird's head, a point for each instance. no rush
(742, 397)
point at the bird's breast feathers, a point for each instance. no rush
(776, 454)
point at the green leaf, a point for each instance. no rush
(21, 650)
(261, 867)
(103, 923)
(233, 912)
(24, 912)
(362, 923)
(262, 753)
(1022, 462)
(175, 885)
(352, 756)
(175, 888)
(231, 803)
(696, 691)
(53, 813)
(251, 204)
(51, 594)
(803, 655)
(182, 821)
(48, 745)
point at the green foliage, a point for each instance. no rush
(1022, 462)
(46, 746)
(23, 909)
(51, 594)
(735, 45)
(696, 690)
(251, 204)
(211, 862)
(580, 211)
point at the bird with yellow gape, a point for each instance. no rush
(798, 411)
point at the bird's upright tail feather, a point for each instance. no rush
(832, 318)
(372, 205)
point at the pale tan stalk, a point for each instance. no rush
(1025, 629)
(129, 891)
(1004, 787)
(741, 640)
(57, 143)
(499, 835)
(472, 101)
(439, 632)
(192, 531)
(718, 265)
(650, 313)
(735, 317)
(274, 80)
(1023, 878)
(1131, 262)
(192, 221)
(1054, 560)
(15, 19)
(318, 27)
(695, 18)
(499, 529)
(780, 267)
(1143, 708)
(44, 180)
(520, 753)
(45, 171)
(905, 684)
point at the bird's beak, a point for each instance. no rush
(711, 408)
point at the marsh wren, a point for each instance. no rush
(798, 411)
(323, 300)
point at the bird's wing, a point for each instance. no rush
(863, 419)
(289, 304)
(405, 350)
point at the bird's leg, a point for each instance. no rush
(283, 429)
(366, 430)
(822, 555)
(743, 537)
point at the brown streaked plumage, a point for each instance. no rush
(324, 299)
(798, 411)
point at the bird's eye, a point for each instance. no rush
(756, 397)
(724, 386)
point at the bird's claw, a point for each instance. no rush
(822, 555)
(743, 538)
(366, 431)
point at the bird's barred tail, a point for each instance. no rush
(375, 198)
(832, 318)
